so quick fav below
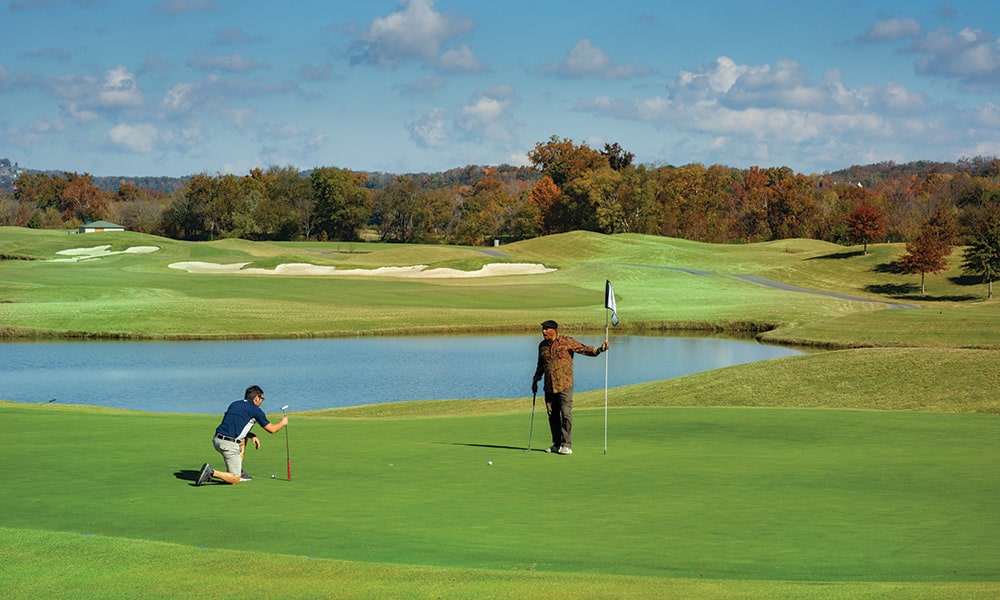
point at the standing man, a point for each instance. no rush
(230, 435)
(555, 362)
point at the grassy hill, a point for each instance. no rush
(864, 472)
(660, 283)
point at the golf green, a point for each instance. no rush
(715, 493)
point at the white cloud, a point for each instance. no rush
(80, 115)
(430, 130)
(460, 60)
(892, 29)
(179, 97)
(760, 111)
(423, 85)
(488, 115)
(232, 63)
(587, 60)
(485, 118)
(988, 115)
(415, 33)
(119, 89)
(134, 138)
(179, 7)
(971, 56)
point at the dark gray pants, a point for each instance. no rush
(559, 407)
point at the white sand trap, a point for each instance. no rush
(490, 270)
(78, 254)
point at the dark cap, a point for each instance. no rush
(550, 325)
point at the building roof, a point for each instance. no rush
(102, 225)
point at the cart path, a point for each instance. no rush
(782, 286)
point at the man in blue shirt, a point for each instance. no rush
(230, 435)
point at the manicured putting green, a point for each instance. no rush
(718, 493)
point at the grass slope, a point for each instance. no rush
(659, 283)
(720, 484)
(758, 495)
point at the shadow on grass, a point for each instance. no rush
(909, 291)
(839, 255)
(521, 448)
(903, 290)
(889, 267)
(967, 280)
(187, 475)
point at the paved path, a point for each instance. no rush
(782, 286)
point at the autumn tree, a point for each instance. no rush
(793, 210)
(40, 189)
(865, 224)
(81, 199)
(563, 161)
(926, 254)
(548, 200)
(752, 196)
(982, 256)
(493, 211)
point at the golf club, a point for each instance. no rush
(288, 457)
(531, 429)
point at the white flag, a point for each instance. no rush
(609, 303)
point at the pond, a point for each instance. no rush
(202, 377)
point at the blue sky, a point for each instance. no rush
(176, 87)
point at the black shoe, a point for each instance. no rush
(244, 476)
(206, 474)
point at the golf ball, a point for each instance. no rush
(272, 475)
(489, 462)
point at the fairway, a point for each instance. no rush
(723, 493)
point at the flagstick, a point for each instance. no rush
(605, 385)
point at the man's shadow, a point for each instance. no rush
(187, 475)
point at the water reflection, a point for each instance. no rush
(203, 376)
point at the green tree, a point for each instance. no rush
(185, 218)
(622, 201)
(342, 203)
(286, 211)
(982, 256)
(618, 158)
(397, 210)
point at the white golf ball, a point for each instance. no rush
(272, 475)
(489, 462)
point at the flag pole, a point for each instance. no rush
(609, 304)
(605, 384)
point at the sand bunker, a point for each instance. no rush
(490, 270)
(78, 254)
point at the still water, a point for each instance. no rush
(204, 376)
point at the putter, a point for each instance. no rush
(288, 457)
(531, 429)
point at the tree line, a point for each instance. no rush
(569, 186)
